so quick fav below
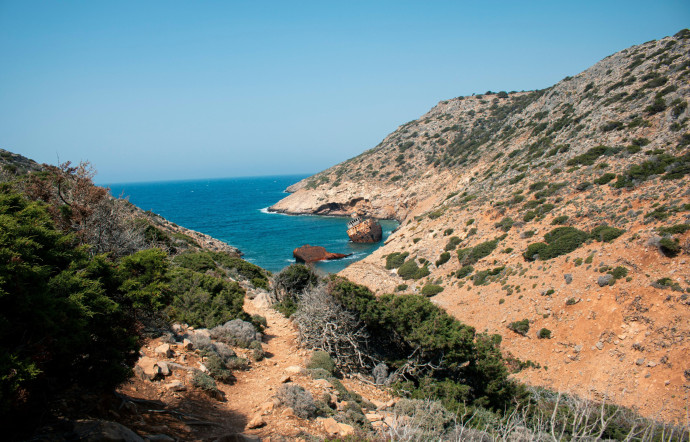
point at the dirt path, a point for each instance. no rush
(256, 387)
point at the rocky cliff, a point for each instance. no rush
(568, 207)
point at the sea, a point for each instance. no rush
(234, 210)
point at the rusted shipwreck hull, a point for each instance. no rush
(364, 230)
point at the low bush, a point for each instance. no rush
(237, 333)
(606, 233)
(520, 327)
(544, 333)
(452, 243)
(471, 255)
(605, 178)
(202, 300)
(396, 259)
(321, 360)
(206, 383)
(293, 280)
(410, 270)
(301, 401)
(445, 256)
(505, 224)
(218, 370)
(559, 241)
(464, 271)
(431, 290)
(560, 220)
(669, 247)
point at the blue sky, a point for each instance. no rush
(163, 90)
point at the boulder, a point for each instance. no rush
(147, 368)
(308, 254)
(165, 368)
(256, 422)
(164, 351)
(336, 428)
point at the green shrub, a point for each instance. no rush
(396, 259)
(479, 278)
(66, 317)
(529, 216)
(202, 300)
(606, 233)
(559, 241)
(605, 178)
(583, 186)
(673, 230)
(218, 370)
(619, 272)
(544, 333)
(431, 290)
(570, 301)
(407, 323)
(294, 280)
(197, 261)
(669, 247)
(520, 327)
(505, 224)
(321, 359)
(445, 256)
(471, 255)
(410, 270)
(588, 158)
(287, 306)
(448, 232)
(464, 271)
(560, 219)
(206, 383)
(534, 250)
(453, 242)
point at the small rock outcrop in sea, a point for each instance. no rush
(364, 230)
(308, 254)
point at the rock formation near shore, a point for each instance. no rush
(516, 204)
(308, 254)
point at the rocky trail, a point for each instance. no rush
(161, 403)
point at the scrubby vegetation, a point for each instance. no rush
(85, 277)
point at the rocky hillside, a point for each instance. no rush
(153, 228)
(558, 218)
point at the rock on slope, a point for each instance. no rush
(477, 180)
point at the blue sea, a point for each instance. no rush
(234, 211)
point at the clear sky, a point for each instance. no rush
(161, 90)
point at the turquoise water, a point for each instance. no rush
(234, 210)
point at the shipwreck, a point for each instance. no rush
(364, 230)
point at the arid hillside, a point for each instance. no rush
(558, 218)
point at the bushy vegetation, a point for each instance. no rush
(410, 270)
(396, 259)
(81, 285)
(431, 290)
(606, 233)
(665, 165)
(412, 335)
(544, 333)
(66, 316)
(520, 327)
(297, 398)
(592, 155)
(202, 300)
(321, 360)
(442, 259)
(471, 255)
(559, 241)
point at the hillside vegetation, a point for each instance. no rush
(564, 211)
